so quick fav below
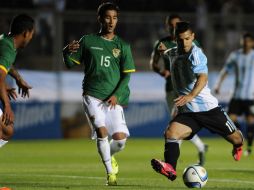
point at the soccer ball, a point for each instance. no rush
(195, 176)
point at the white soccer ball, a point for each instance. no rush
(195, 176)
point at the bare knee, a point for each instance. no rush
(101, 132)
(7, 132)
(177, 131)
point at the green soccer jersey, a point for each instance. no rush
(7, 52)
(106, 63)
(169, 43)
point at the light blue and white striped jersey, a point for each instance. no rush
(184, 70)
(243, 67)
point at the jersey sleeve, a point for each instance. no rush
(199, 62)
(5, 63)
(127, 60)
(229, 65)
(75, 58)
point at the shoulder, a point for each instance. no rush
(5, 42)
(121, 42)
(197, 56)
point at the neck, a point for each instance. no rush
(246, 50)
(107, 35)
(16, 41)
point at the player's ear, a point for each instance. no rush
(193, 35)
(99, 19)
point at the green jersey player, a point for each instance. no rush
(21, 33)
(107, 63)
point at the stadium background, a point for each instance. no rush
(55, 109)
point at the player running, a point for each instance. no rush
(170, 42)
(197, 108)
(241, 61)
(21, 33)
(108, 63)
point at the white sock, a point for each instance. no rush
(2, 143)
(104, 151)
(198, 143)
(117, 145)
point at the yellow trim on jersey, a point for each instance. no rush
(129, 71)
(4, 69)
(75, 61)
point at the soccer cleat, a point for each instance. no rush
(5, 188)
(164, 169)
(111, 180)
(114, 165)
(201, 156)
(237, 153)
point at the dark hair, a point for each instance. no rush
(248, 35)
(182, 26)
(21, 23)
(172, 16)
(106, 6)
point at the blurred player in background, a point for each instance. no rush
(21, 33)
(170, 42)
(197, 108)
(108, 63)
(241, 61)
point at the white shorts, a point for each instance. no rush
(1, 112)
(99, 115)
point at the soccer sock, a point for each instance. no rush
(172, 152)
(250, 135)
(117, 145)
(104, 151)
(198, 143)
(2, 143)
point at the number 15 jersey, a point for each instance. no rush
(105, 63)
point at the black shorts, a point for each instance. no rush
(215, 120)
(241, 107)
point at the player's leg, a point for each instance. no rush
(96, 111)
(119, 132)
(250, 134)
(202, 148)
(6, 131)
(178, 129)
(217, 121)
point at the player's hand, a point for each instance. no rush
(112, 101)
(162, 48)
(11, 93)
(182, 100)
(165, 73)
(73, 46)
(216, 90)
(8, 116)
(23, 88)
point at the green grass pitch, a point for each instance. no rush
(75, 164)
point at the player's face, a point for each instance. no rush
(109, 21)
(248, 43)
(172, 25)
(184, 41)
(27, 37)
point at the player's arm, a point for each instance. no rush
(23, 86)
(201, 82)
(223, 74)
(8, 115)
(72, 54)
(154, 61)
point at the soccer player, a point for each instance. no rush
(197, 108)
(108, 63)
(241, 61)
(21, 33)
(170, 42)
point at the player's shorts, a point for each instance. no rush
(241, 107)
(215, 120)
(1, 112)
(99, 115)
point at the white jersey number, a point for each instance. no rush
(105, 61)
